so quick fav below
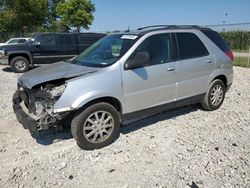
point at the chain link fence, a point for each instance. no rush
(237, 36)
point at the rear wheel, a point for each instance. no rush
(19, 64)
(214, 96)
(96, 126)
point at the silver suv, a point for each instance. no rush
(126, 76)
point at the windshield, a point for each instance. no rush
(105, 51)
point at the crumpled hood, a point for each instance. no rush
(54, 71)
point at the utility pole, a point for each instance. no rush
(248, 59)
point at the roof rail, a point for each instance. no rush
(169, 26)
(152, 26)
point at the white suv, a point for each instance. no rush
(126, 76)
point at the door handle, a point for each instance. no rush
(171, 69)
(209, 61)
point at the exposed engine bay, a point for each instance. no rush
(38, 102)
(39, 91)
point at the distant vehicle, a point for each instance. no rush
(15, 41)
(123, 77)
(46, 48)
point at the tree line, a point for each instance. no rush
(20, 17)
(237, 40)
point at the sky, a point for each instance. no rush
(113, 15)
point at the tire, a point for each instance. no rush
(88, 126)
(19, 64)
(214, 96)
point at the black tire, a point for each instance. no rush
(24, 66)
(207, 103)
(80, 121)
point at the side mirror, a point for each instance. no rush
(141, 59)
(37, 43)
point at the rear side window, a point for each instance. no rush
(217, 39)
(66, 39)
(87, 39)
(190, 46)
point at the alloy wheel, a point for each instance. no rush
(98, 126)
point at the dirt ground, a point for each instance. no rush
(186, 147)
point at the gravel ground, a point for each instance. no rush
(186, 147)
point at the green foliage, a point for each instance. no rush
(237, 40)
(6, 18)
(25, 17)
(22, 15)
(52, 22)
(76, 13)
(241, 61)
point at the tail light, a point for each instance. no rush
(230, 54)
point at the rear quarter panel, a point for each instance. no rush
(223, 64)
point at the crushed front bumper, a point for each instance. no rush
(22, 117)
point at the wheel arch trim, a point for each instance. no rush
(20, 53)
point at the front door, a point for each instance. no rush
(154, 84)
(45, 49)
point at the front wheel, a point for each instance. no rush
(96, 126)
(214, 96)
(19, 64)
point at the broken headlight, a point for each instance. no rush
(45, 98)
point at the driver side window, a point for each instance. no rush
(47, 40)
(158, 48)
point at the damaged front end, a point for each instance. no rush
(34, 107)
(39, 90)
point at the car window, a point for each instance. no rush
(106, 51)
(66, 39)
(87, 39)
(217, 39)
(13, 41)
(47, 40)
(190, 46)
(158, 47)
(22, 40)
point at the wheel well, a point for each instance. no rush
(111, 100)
(222, 78)
(21, 54)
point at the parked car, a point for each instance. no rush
(126, 76)
(15, 41)
(46, 48)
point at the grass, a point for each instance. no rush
(241, 51)
(241, 61)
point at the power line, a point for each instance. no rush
(229, 24)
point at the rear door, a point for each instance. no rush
(195, 65)
(154, 84)
(45, 49)
(67, 46)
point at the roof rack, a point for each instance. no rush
(169, 26)
(152, 26)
